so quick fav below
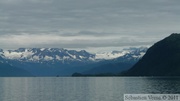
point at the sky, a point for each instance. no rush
(93, 25)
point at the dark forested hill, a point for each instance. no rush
(162, 59)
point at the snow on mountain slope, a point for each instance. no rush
(17, 55)
(64, 55)
(135, 52)
(110, 55)
(45, 54)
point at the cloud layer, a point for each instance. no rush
(86, 23)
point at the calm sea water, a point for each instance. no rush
(83, 88)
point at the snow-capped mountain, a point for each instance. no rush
(59, 61)
(63, 55)
(124, 61)
(134, 52)
(46, 54)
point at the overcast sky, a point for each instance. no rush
(93, 25)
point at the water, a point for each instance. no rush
(83, 88)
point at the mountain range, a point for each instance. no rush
(63, 62)
(161, 59)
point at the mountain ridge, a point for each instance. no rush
(60, 61)
(162, 59)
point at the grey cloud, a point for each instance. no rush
(71, 42)
(89, 33)
(82, 14)
(90, 18)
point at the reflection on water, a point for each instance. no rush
(83, 88)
